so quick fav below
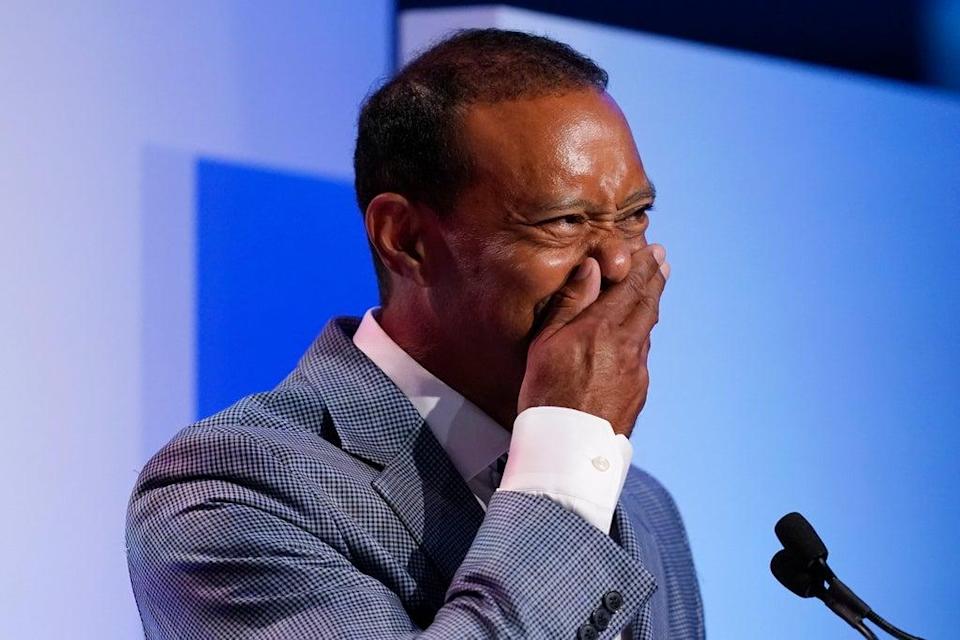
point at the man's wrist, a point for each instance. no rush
(571, 456)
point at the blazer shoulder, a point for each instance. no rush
(266, 452)
(293, 406)
(284, 426)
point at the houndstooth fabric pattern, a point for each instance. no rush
(326, 509)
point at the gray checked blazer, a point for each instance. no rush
(327, 509)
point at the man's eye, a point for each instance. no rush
(570, 219)
(638, 215)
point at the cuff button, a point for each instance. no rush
(600, 618)
(587, 632)
(612, 600)
(600, 463)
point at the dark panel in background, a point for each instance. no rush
(884, 38)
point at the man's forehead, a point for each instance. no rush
(541, 116)
(541, 149)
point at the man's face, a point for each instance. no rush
(556, 179)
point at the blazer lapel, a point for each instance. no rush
(372, 418)
(432, 500)
(376, 422)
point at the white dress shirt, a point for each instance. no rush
(567, 455)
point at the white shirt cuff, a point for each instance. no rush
(570, 456)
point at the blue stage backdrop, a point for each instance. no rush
(278, 254)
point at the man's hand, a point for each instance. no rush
(592, 352)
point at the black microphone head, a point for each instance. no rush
(791, 573)
(798, 536)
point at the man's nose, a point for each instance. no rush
(613, 253)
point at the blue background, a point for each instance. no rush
(278, 254)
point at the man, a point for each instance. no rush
(366, 496)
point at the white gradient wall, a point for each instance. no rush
(103, 108)
(806, 355)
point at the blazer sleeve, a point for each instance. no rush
(215, 551)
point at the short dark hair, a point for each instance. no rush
(407, 135)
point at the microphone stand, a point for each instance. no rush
(889, 628)
(839, 597)
(865, 631)
(852, 610)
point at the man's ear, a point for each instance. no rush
(396, 228)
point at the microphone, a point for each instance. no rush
(790, 570)
(798, 535)
(801, 566)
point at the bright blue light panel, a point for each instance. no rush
(278, 255)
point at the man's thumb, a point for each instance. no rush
(581, 290)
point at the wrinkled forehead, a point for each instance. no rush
(541, 146)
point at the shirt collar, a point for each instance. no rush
(471, 438)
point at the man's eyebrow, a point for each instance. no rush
(646, 192)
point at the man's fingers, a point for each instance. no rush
(645, 351)
(579, 293)
(618, 301)
(646, 312)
